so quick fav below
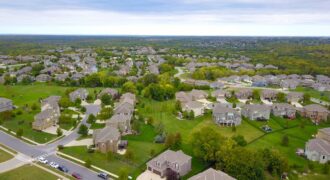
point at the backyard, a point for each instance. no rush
(27, 172)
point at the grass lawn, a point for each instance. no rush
(4, 156)
(141, 146)
(314, 93)
(27, 172)
(30, 94)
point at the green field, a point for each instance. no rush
(4, 156)
(29, 95)
(27, 172)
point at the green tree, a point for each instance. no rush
(19, 132)
(205, 143)
(59, 132)
(129, 87)
(91, 119)
(281, 97)
(274, 162)
(240, 140)
(83, 130)
(106, 99)
(256, 95)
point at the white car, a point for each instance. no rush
(43, 160)
(54, 165)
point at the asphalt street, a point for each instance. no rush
(49, 150)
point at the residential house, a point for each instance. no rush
(80, 93)
(124, 108)
(129, 98)
(198, 94)
(211, 174)
(175, 161)
(220, 94)
(43, 78)
(223, 115)
(121, 122)
(216, 85)
(112, 92)
(106, 139)
(6, 104)
(315, 112)
(183, 97)
(194, 106)
(256, 111)
(45, 119)
(284, 110)
(289, 84)
(318, 149)
(294, 96)
(269, 95)
(243, 93)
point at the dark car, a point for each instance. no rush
(76, 175)
(63, 169)
(267, 129)
(103, 175)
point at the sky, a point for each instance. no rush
(166, 17)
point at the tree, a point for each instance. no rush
(88, 163)
(240, 140)
(129, 155)
(256, 94)
(19, 132)
(64, 102)
(91, 119)
(83, 130)
(173, 141)
(123, 174)
(129, 87)
(205, 143)
(274, 162)
(178, 106)
(285, 140)
(241, 163)
(136, 126)
(306, 98)
(34, 106)
(59, 131)
(106, 99)
(281, 97)
(110, 156)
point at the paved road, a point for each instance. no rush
(49, 150)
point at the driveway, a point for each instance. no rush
(147, 175)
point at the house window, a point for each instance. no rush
(157, 164)
(176, 166)
(323, 157)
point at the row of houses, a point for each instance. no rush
(320, 82)
(109, 138)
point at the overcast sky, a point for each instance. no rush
(166, 17)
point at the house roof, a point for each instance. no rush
(194, 104)
(106, 134)
(4, 100)
(119, 118)
(220, 108)
(172, 156)
(319, 145)
(315, 107)
(212, 174)
(325, 130)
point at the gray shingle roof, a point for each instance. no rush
(212, 174)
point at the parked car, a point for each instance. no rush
(54, 165)
(43, 160)
(103, 175)
(76, 175)
(63, 169)
(266, 128)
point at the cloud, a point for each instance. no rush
(172, 17)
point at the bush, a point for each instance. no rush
(19, 132)
(83, 130)
(60, 147)
(59, 132)
(88, 163)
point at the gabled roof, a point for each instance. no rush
(212, 174)
(106, 134)
(319, 145)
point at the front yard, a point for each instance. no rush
(27, 172)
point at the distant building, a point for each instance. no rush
(315, 112)
(256, 111)
(223, 115)
(318, 149)
(106, 139)
(80, 93)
